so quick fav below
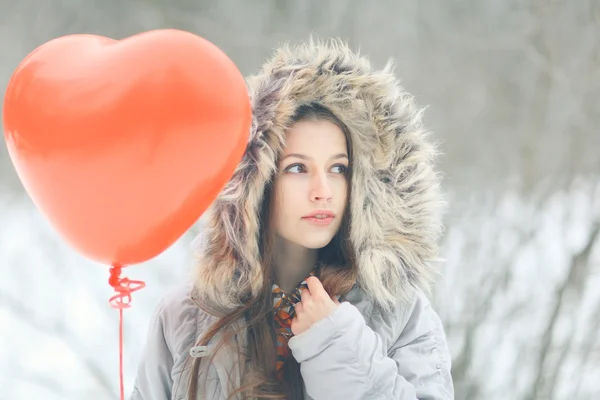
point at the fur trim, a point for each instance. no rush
(396, 203)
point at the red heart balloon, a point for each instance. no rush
(124, 144)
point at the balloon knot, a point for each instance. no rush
(124, 287)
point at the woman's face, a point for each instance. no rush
(311, 185)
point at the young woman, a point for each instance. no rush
(318, 252)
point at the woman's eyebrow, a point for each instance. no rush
(340, 155)
(304, 157)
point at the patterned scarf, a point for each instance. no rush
(284, 314)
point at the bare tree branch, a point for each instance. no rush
(42, 380)
(591, 342)
(578, 270)
(57, 328)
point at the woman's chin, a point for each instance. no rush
(315, 243)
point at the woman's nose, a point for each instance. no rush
(320, 189)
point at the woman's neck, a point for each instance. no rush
(292, 263)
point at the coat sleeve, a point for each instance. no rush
(153, 380)
(342, 358)
(172, 332)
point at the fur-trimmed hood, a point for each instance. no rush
(396, 205)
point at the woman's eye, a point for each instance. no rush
(339, 169)
(295, 168)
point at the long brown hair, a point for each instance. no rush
(337, 271)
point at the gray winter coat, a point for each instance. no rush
(385, 341)
(359, 352)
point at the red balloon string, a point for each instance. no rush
(124, 287)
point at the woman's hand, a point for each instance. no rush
(315, 305)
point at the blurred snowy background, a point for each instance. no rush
(512, 89)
